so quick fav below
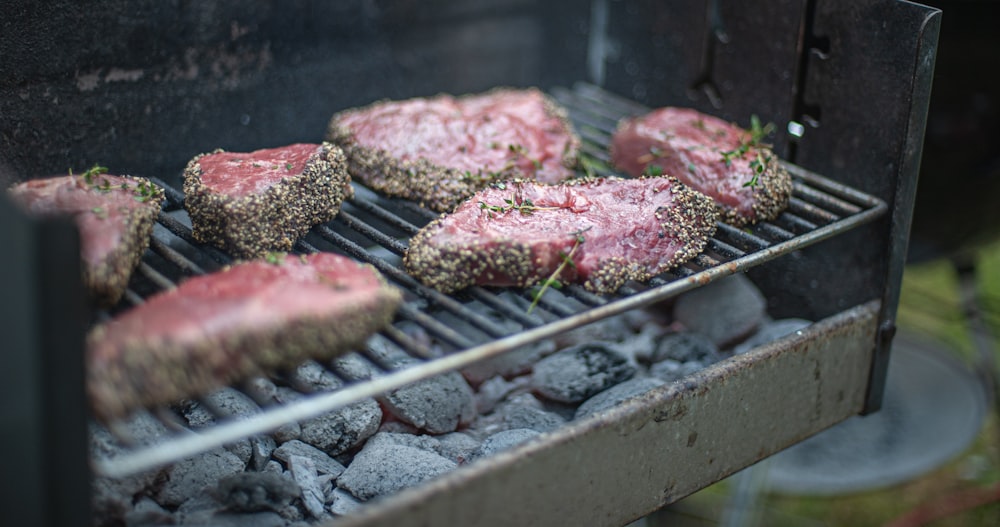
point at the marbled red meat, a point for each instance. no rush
(717, 158)
(219, 328)
(439, 150)
(114, 216)
(518, 233)
(251, 203)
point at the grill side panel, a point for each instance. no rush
(659, 447)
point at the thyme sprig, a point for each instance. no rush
(514, 203)
(755, 139)
(653, 170)
(144, 191)
(758, 166)
(552, 281)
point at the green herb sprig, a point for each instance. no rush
(523, 205)
(275, 257)
(144, 191)
(552, 281)
(758, 166)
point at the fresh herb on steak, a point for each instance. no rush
(754, 140)
(758, 166)
(551, 281)
(88, 176)
(462, 144)
(248, 319)
(114, 229)
(653, 171)
(514, 203)
(713, 156)
(638, 228)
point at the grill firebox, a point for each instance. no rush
(375, 229)
(834, 256)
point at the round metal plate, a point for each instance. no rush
(932, 410)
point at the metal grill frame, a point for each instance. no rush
(820, 208)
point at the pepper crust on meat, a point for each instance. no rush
(439, 150)
(253, 203)
(247, 319)
(113, 214)
(607, 231)
(729, 164)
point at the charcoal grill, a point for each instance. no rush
(834, 256)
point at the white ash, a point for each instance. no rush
(343, 502)
(261, 389)
(304, 473)
(358, 453)
(670, 370)
(616, 394)
(620, 328)
(574, 374)
(726, 311)
(323, 463)
(437, 405)
(424, 442)
(383, 468)
(504, 440)
(496, 389)
(255, 491)
(196, 475)
(770, 332)
(310, 377)
(112, 497)
(353, 367)
(510, 364)
(148, 512)
(684, 347)
(231, 404)
(521, 411)
(340, 430)
(457, 446)
(395, 426)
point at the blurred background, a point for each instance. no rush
(932, 455)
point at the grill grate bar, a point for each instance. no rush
(409, 282)
(174, 257)
(480, 322)
(154, 276)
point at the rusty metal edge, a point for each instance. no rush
(659, 447)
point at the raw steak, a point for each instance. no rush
(252, 203)
(218, 328)
(719, 159)
(440, 150)
(519, 233)
(114, 216)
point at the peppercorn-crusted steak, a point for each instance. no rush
(252, 203)
(719, 159)
(440, 150)
(215, 329)
(113, 214)
(600, 232)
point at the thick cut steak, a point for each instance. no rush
(601, 233)
(215, 329)
(113, 214)
(439, 150)
(717, 158)
(257, 202)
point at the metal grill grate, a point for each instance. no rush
(475, 324)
